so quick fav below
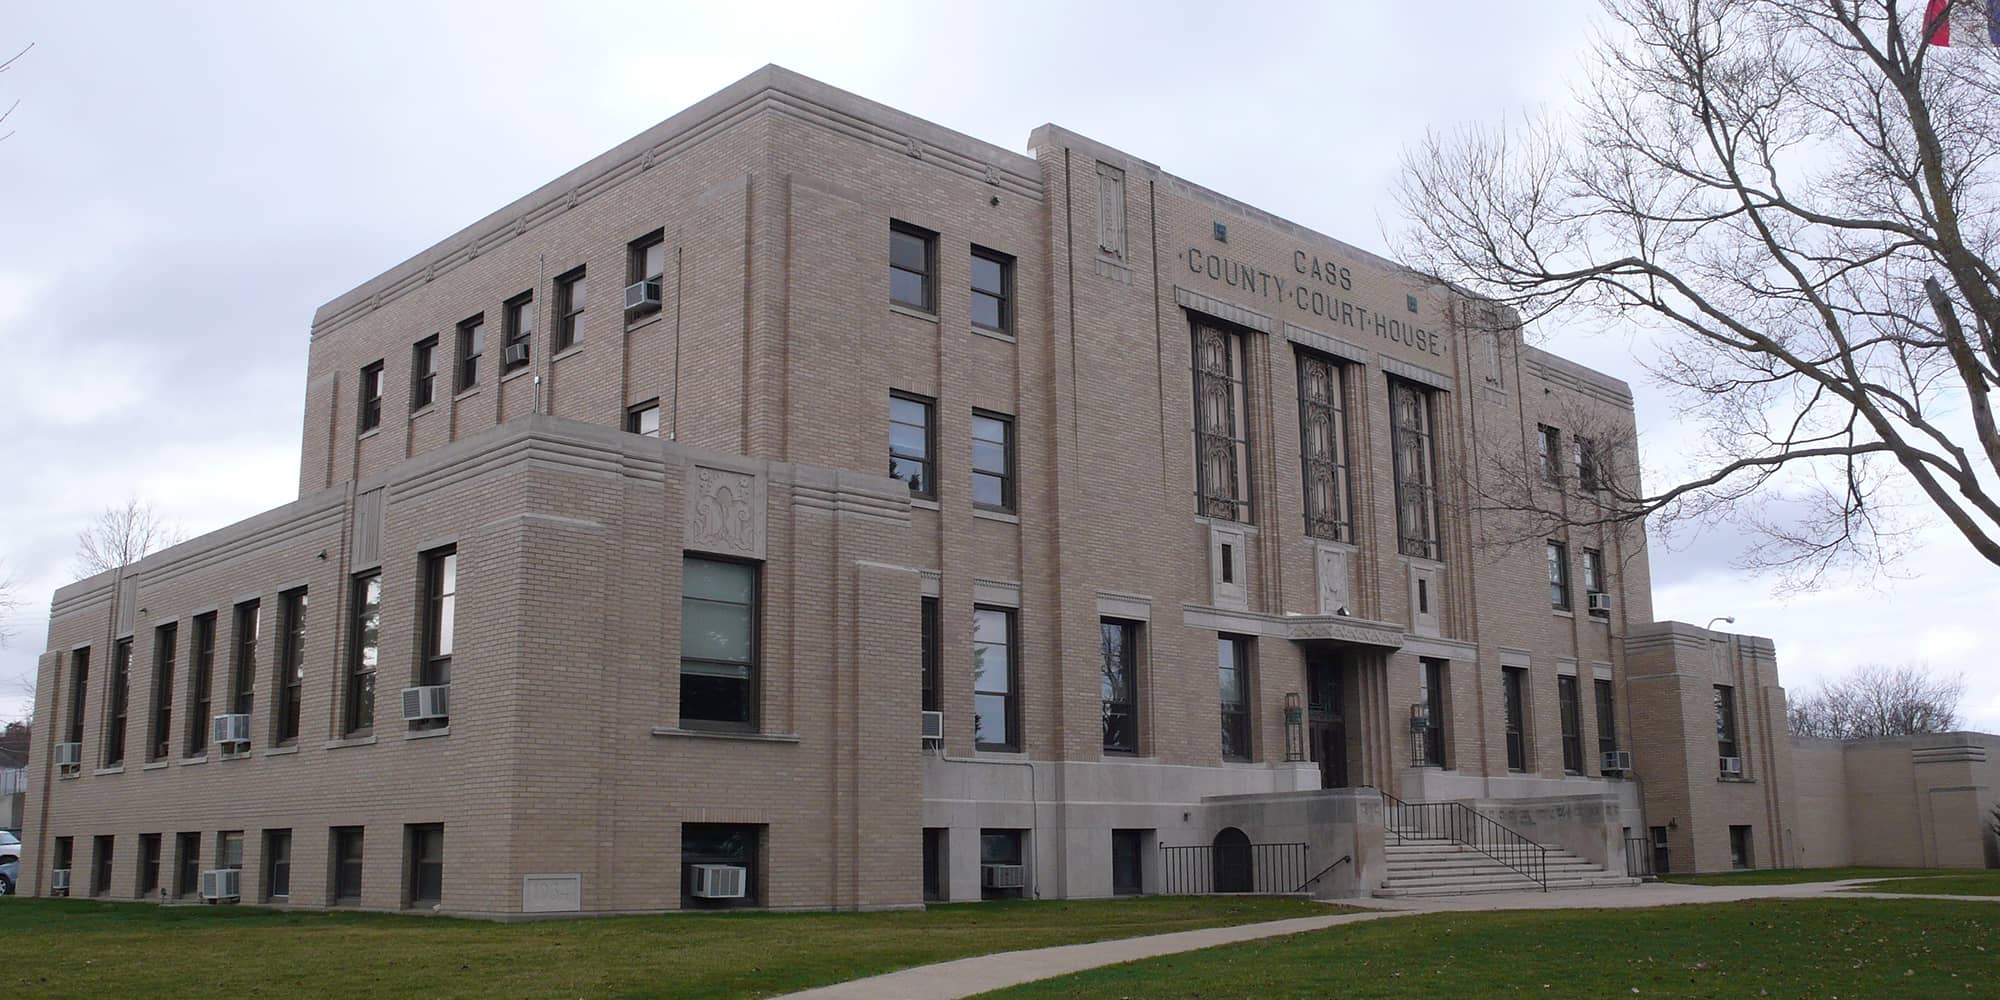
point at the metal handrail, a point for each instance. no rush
(1322, 872)
(1461, 824)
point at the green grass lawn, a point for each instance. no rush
(1963, 883)
(1782, 948)
(114, 951)
(1792, 876)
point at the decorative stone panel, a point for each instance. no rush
(1228, 566)
(1426, 598)
(1111, 210)
(1331, 564)
(725, 511)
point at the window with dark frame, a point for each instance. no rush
(1593, 581)
(1221, 434)
(121, 698)
(65, 859)
(1411, 434)
(423, 373)
(229, 849)
(992, 461)
(736, 844)
(79, 691)
(643, 418)
(101, 853)
(912, 266)
(1323, 446)
(1739, 848)
(187, 864)
(201, 682)
(364, 653)
(992, 290)
(1607, 717)
(277, 864)
(517, 327)
(1725, 721)
(571, 291)
(1558, 576)
(149, 865)
(371, 397)
(1548, 453)
(440, 568)
(913, 442)
(1128, 864)
(346, 864)
(1512, 681)
(1118, 651)
(1571, 712)
(1233, 672)
(1430, 692)
(471, 346)
(424, 846)
(249, 629)
(936, 839)
(646, 264)
(996, 706)
(1001, 847)
(1588, 466)
(291, 663)
(932, 654)
(719, 648)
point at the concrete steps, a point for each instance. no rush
(1429, 866)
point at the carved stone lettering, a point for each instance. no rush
(551, 893)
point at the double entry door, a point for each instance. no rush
(1326, 725)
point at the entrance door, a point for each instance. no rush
(1325, 729)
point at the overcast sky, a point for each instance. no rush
(186, 183)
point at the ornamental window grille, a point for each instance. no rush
(1323, 447)
(1410, 412)
(1221, 448)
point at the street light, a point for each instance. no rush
(1731, 619)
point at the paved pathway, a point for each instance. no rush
(971, 976)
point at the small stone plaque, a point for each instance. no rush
(551, 893)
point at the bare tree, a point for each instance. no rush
(10, 603)
(1796, 201)
(6, 65)
(1878, 701)
(122, 535)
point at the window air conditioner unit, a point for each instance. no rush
(933, 725)
(720, 881)
(1616, 760)
(1600, 602)
(59, 882)
(218, 884)
(515, 354)
(1732, 767)
(420, 703)
(1003, 876)
(230, 730)
(642, 296)
(69, 756)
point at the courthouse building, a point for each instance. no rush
(805, 505)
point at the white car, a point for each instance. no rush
(10, 847)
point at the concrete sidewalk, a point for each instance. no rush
(971, 976)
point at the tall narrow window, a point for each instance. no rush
(440, 615)
(65, 858)
(1548, 453)
(718, 643)
(158, 738)
(121, 697)
(995, 680)
(645, 273)
(643, 418)
(912, 266)
(100, 865)
(992, 461)
(471, 346)
(1725, 722)
(423, 373)
(1739, 847)
(277, 864)
(249, 629)
(1512, 680)
(517, 328)
(1416, 490)
(1593, 583)
(1221, 443)
(149, 864)
(992, 290)
(346, 854)
(1233, 673)
(1588, 468)
(201, 682)
(1572, 723)
(1118, 650)
(291, 663)
(371, 397)
(570, 293)
(79, 692)
(1430, 693)
(187, 864)
(229, 849)
(1558, 576)
(932, 653)
(1323, 446)
(1607, 718)
(426, 854)
(364, 651)
(913, 443)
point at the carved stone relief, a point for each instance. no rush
(725, 512)
(1111, 210)
(1333, 595)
